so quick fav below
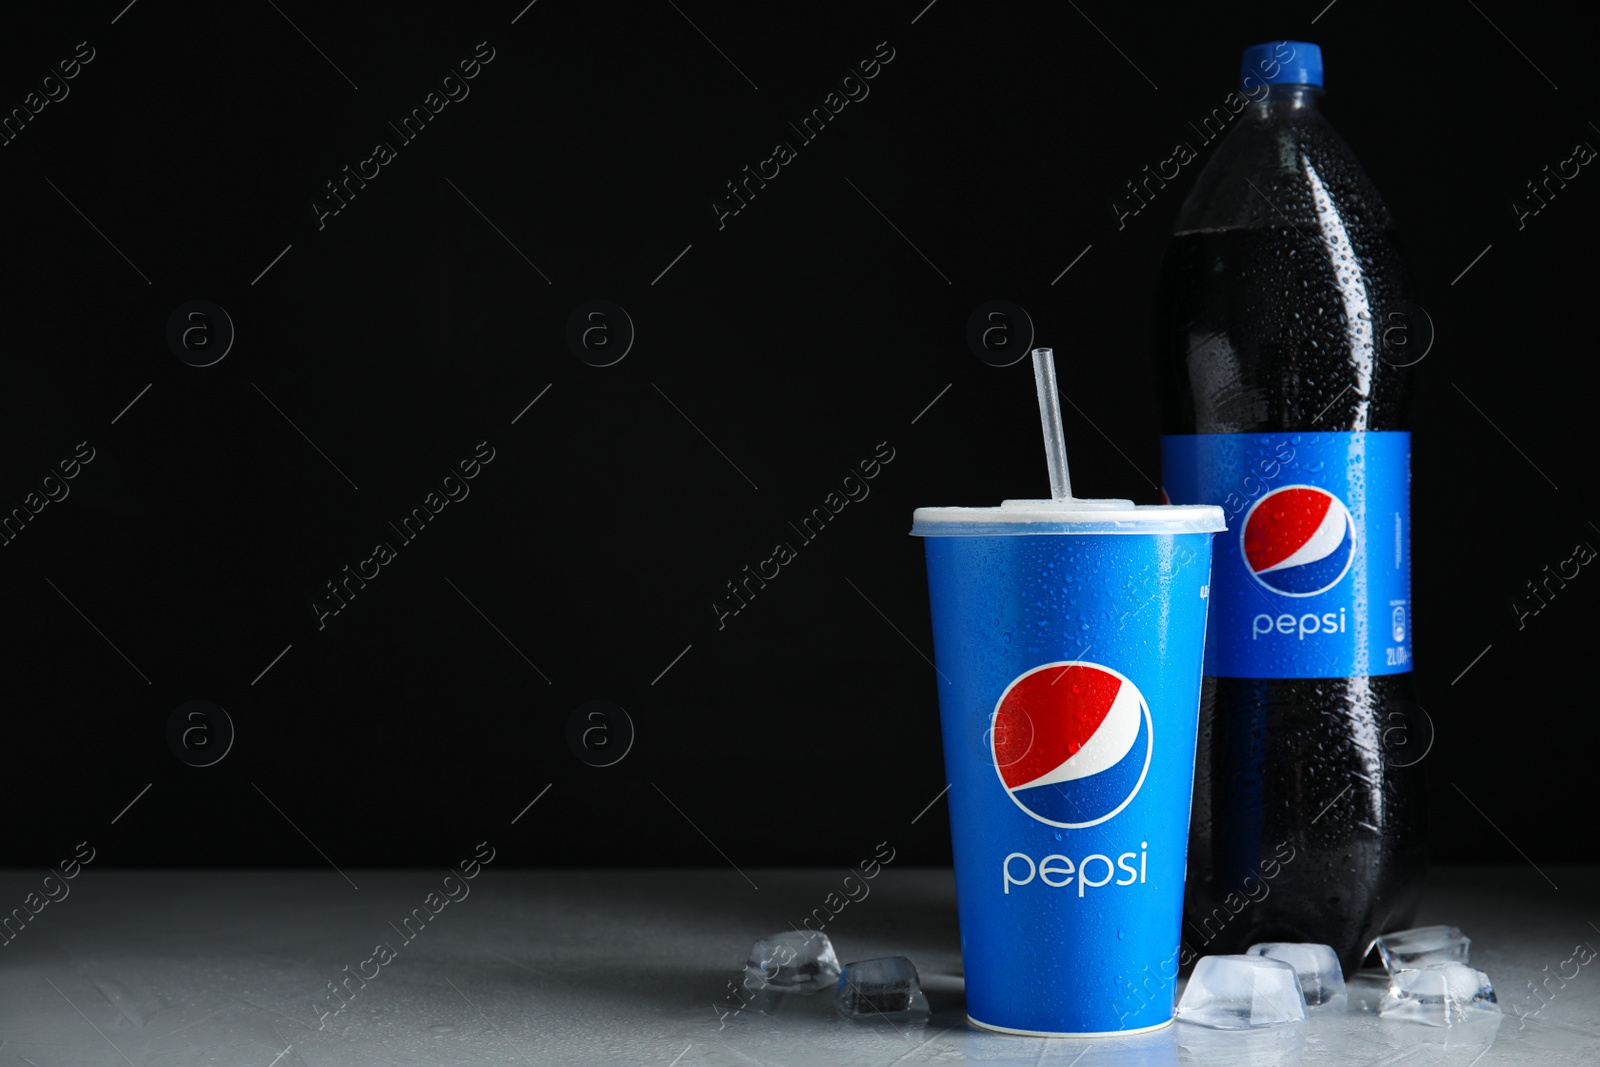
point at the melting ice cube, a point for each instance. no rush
(793, 962)
(1439, 994)
(1242, 993)
(882, 986)
(1316, 967)
(1422, 946)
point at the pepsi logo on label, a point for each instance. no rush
(1072, 743)
(1298, 540)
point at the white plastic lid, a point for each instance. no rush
(1027, 517)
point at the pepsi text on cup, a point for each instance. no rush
(1062, 873)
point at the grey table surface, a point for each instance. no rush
(634, 967)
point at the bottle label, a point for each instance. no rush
(1312, 578)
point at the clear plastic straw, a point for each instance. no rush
(1055, 441)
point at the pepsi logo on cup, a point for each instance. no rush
(1298, 540)
(1072, 743)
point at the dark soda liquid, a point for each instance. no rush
(1344, 866)
(1253, 333)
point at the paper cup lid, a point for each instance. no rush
(1026, 517)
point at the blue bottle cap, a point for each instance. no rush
(1280, 63)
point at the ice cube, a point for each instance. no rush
(793, 962)
(882, 986)
(1422, 946)
(1439, 994)
(1242, 993)
(1316, 966)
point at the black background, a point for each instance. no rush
(796, 337)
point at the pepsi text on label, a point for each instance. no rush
(1305, 624)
